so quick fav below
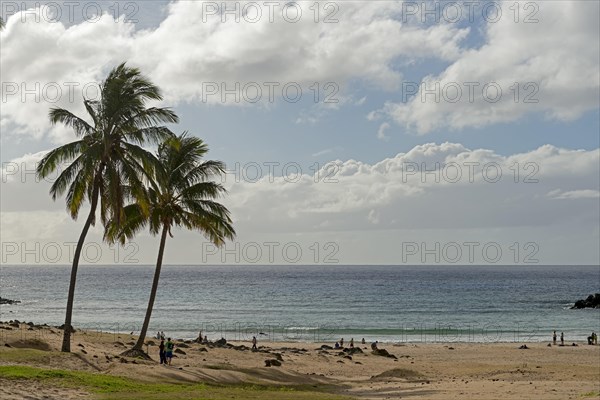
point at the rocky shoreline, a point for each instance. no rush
(592, 301)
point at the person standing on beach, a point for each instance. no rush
(363, 341)
(342, 342)
(169, 347)
(562, 338)
(254, 343)
(352, 343)
(161, 352)
(162, 335)
(554, 338)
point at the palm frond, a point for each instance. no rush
(80, 126)
(134, 220)
(61, 155)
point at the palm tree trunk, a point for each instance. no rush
(161, 252)
(66, 344)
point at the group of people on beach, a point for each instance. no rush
(202, 339)
(340, 343)
(165, 350)
(592, 339)
(562, 338)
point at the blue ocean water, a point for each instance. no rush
(316, 303)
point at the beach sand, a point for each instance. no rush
(421, 371)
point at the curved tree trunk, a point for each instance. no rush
(161, 252)
(66, 344)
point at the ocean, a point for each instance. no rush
(409, 304)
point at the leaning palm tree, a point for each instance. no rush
(106, 164)
(181, 194)
(1, 23)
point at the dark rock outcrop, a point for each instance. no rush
(272, 363)
(383, 353)
(353, 350)
(592, 301)
(8, 301)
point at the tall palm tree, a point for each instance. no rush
(2, 25)
(106, 164)
(181, 194)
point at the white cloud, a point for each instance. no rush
(554, 62)
(413, 189)
(46, 65)
(575, 194)
(381, 132)
(373, 217)
(361, 101)
(322, 152)
(183, 53)
(401, 196)
(557, 55)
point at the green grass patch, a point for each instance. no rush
(590, 395)
(94, 382)
(115, 387)
(17, 355)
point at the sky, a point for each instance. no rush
(354, 132)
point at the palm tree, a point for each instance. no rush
(2, 25)
(107, 163)
(181, 194)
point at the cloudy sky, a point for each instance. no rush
(380, 132)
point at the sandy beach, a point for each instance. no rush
(418, 371)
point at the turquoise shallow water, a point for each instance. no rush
(316, 303)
